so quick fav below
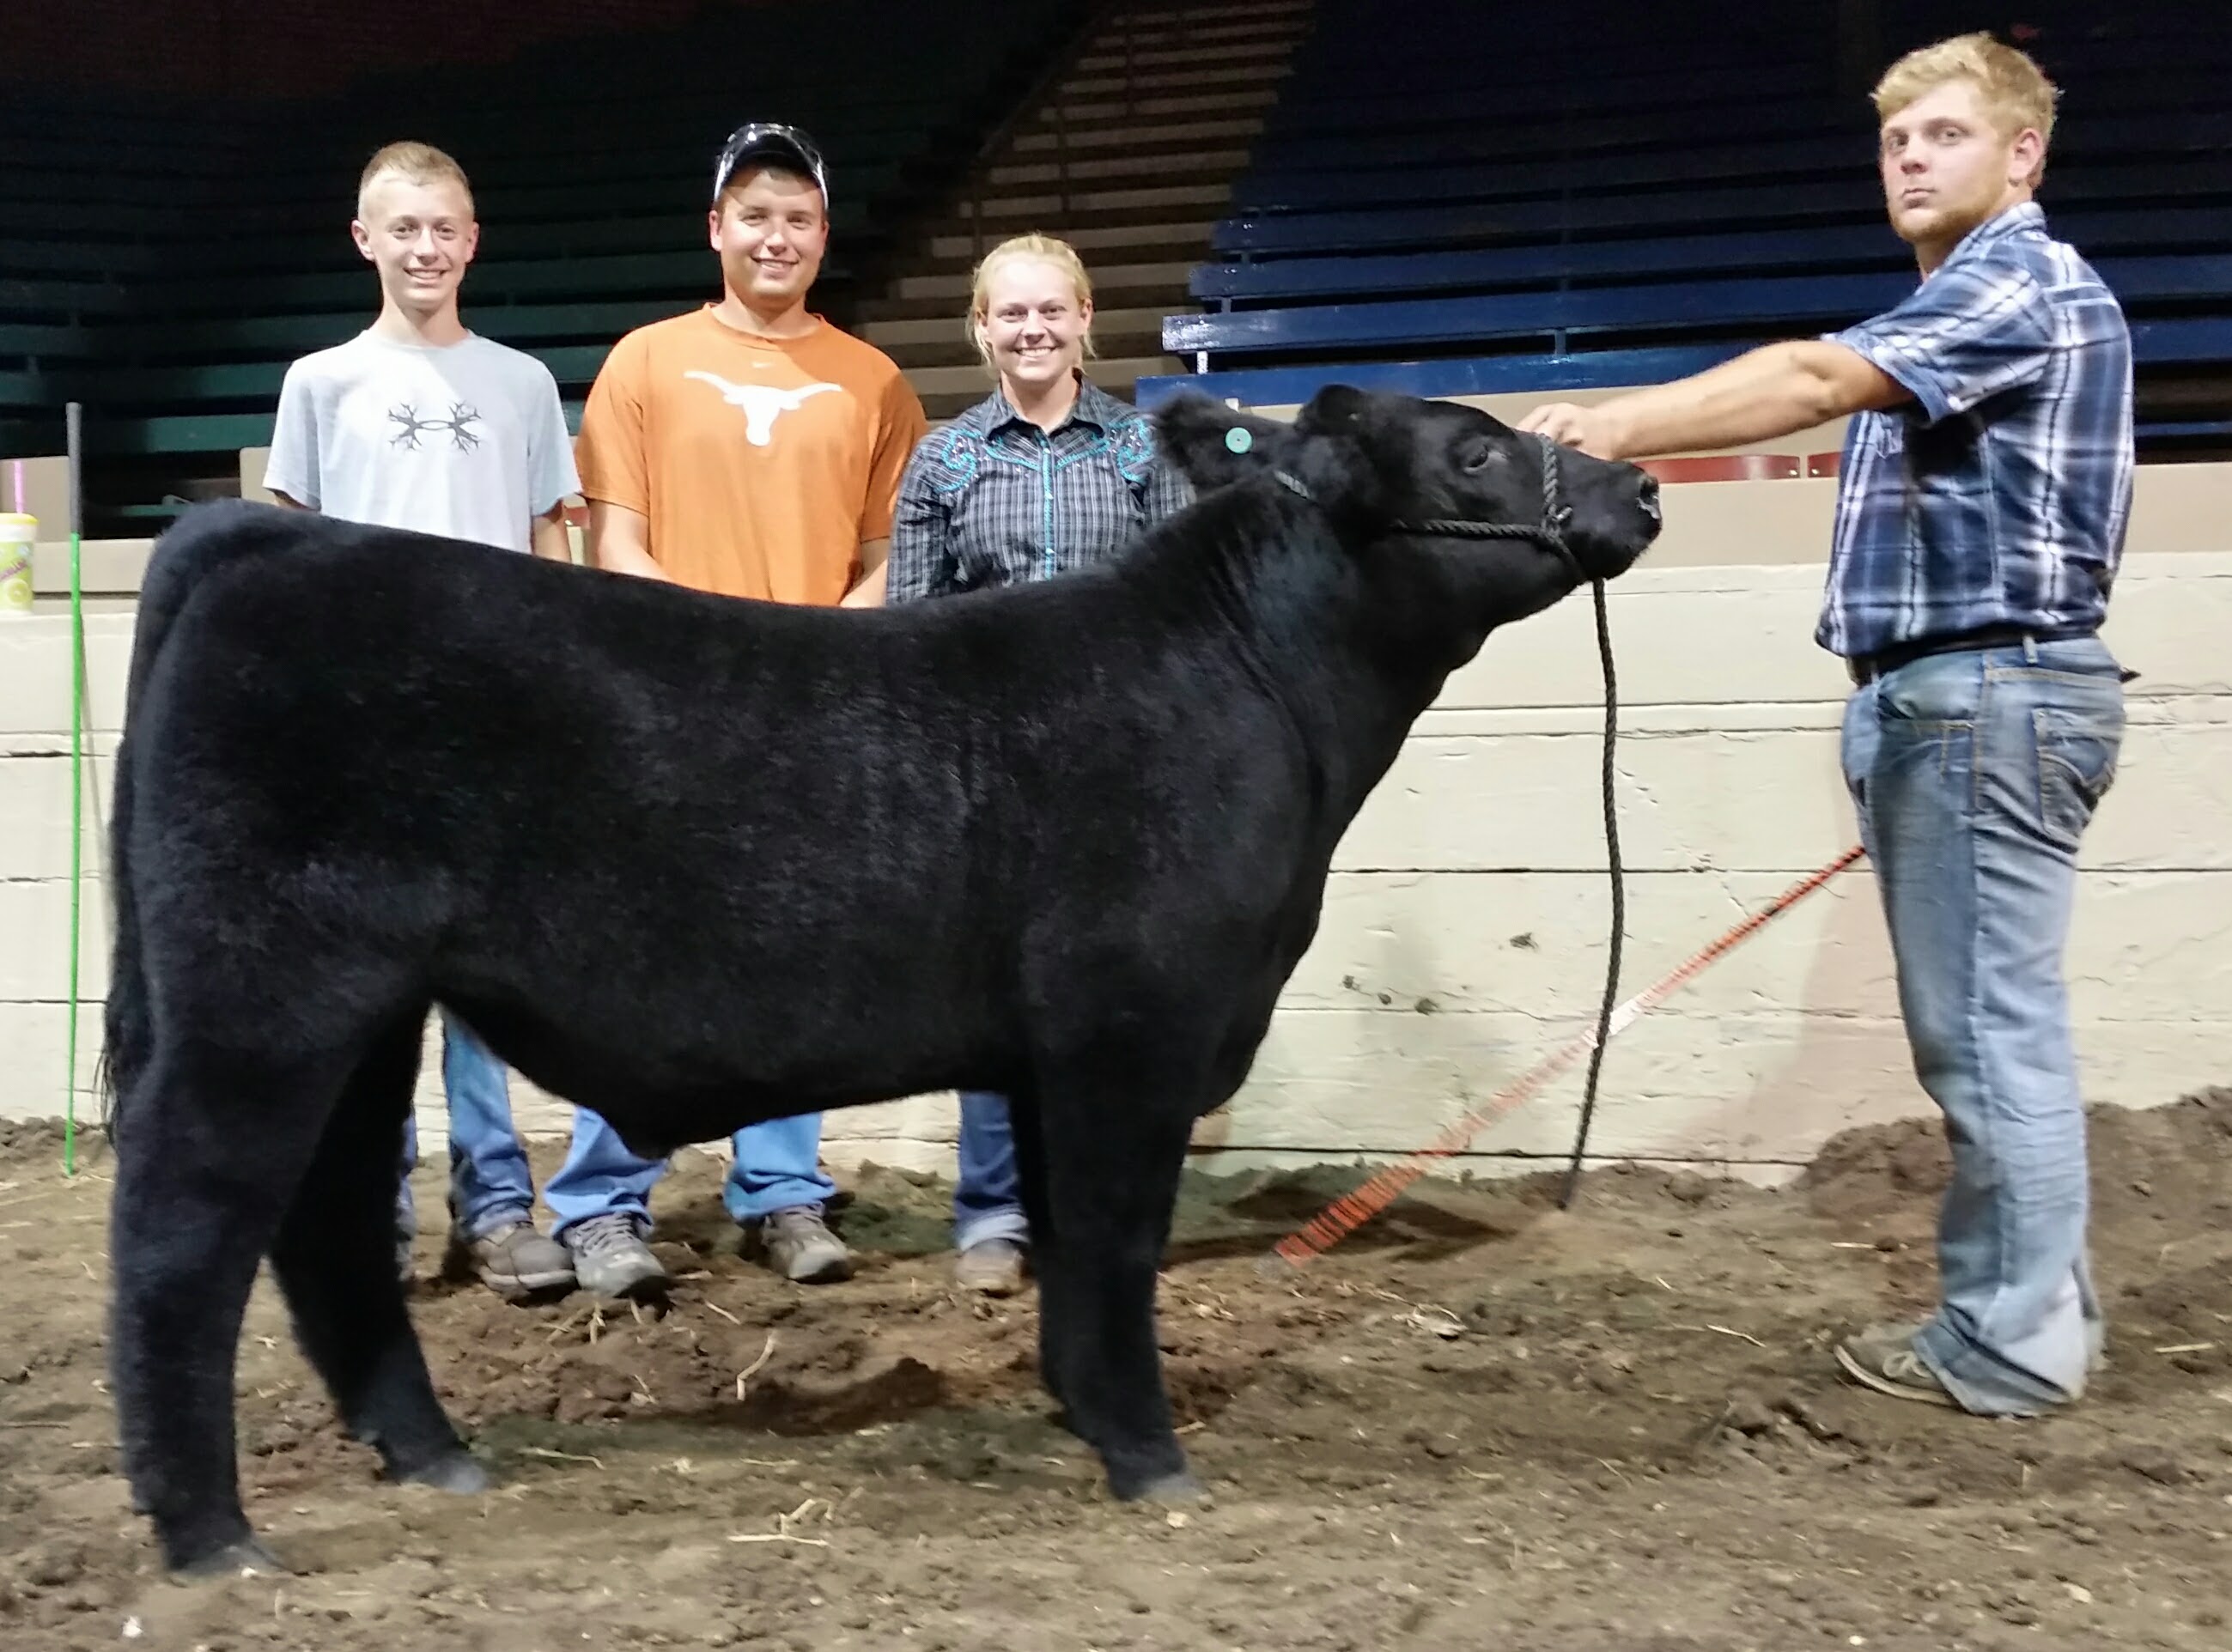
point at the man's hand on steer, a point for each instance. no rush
(1592, 430)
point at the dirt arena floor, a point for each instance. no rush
(1480, 1423)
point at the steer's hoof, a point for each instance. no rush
(455, 1471)
(246, 1559)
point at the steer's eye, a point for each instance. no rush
(1473, 456)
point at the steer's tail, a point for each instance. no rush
(200, 541)
(126, 1033)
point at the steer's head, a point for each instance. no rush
(1395, 470)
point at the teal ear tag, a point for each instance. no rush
(1239, 439)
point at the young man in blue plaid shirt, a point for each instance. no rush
(1985, 482)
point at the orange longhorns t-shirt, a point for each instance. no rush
(761, 463)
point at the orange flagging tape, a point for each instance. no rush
(1351, 1210)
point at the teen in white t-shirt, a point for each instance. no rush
(418, 423)
(466, 439)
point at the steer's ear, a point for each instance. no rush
(1214, 445)
(1337, 437)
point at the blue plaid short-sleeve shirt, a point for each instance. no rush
(1999, 495)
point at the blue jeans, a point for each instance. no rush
(987, 1201)
(491, 1186)
(1975, 775)
(777, 1167)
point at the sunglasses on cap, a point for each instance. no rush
(766, 140)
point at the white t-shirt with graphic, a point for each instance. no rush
(466, 440)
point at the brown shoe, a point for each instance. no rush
(990, 1268)
(1883, 1358)
(518, 1261)
(798, 1245)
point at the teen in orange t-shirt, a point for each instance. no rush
(753, 466)
(752, 449)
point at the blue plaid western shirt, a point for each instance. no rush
(992, 500)
(1999, 495)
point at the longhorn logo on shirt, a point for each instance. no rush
(763, 404)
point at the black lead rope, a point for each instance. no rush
(1618, 899)
(1550, 533)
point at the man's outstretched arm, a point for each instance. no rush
(1764, 393)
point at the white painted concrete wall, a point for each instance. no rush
(1464, 926)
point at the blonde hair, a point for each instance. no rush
(2012, 89)
(414, 163)
(1046, 249)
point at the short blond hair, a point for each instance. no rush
(1047, 250)
(2012, 87)
(414, 163)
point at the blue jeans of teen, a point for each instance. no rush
(491, 1186)
(1975, 775)
(777, 1167)
(986, 1196)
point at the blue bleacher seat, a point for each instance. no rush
(1828, 250)
(1599, 196)
(1275, 183)
(1513, 212)
(1771, 301)
(2196, 340)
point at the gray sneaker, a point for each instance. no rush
(990, 1268)
(516, 1261)
(1883, 1357)
(611, 1260)
(798, 1245)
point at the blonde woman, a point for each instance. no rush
(1047, 473)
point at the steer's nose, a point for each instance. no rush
(1646, 495)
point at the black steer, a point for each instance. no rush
(696, 862)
